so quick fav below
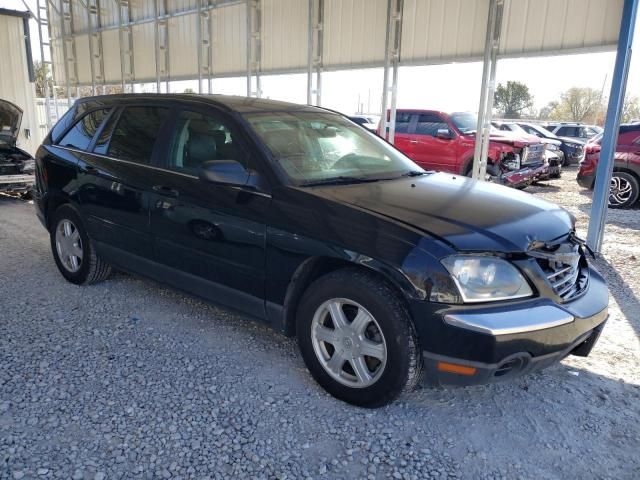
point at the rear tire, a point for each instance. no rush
(357, 338)
(73, 251)
(625, 190)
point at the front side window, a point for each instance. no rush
(82, 132)
(314, 147)
(136, 132)
(429, 124)
(199, 138)
(403, 120)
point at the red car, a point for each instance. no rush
(625, 182)
(446, 142)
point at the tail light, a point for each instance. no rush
(592, 148)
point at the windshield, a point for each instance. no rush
(466, 122)
(541, 131)
(313, 147)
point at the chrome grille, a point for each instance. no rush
(533, 154)
(564, 266)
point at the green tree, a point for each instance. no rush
(578, 105)
(631, 108)
(41, 72)
(189, 90)
(513, 99)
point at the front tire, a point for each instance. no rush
(624, 190)
(357, 338)
(73, 251)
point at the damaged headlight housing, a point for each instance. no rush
(486, 279)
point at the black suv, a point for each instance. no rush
(297, 216)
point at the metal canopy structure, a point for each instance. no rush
(106, 42)
(237, 38)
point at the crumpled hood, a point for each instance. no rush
(469, 215)
(10, 119)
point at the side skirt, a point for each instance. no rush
(186, 282)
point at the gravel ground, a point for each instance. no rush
(128, 379)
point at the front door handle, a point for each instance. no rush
(413, 141)
(163, 189)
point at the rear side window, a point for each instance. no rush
(568, 132)
(429, 124)
(136, 132)
(82, 132)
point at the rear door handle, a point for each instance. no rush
(163, 189)
(413, 141)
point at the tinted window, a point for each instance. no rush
(82, 132)
(136, 132)
(102, 143)
(568, 132)
(403, 119)
(199, 138)
(429, 124)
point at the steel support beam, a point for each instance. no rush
(68, 46)
(492, 44)
(393, 46)
(254, 46)
(315, 51)
(42, 24)
(204, 45)
(161, 37)
(604, 170)
(126, 44)
(92, 13)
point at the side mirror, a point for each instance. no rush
(224, 172)
(444, 134)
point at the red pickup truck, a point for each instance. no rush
(446, 142)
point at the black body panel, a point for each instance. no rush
(255, 247)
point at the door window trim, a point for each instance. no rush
(113, 112)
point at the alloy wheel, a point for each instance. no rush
(69, 245)
(621, 191)
(348, 342)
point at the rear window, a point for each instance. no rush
(81, 134)
(136, 132)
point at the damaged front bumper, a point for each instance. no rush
(17, 183)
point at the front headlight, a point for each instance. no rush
(553, 148)
(486, 279)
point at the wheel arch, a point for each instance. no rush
(630, 171)
(315, 267)
(54, 201)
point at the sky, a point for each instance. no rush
(450, 87)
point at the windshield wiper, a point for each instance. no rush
(413, 173)
(341, 180)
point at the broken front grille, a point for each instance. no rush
(533, 154)
(564, 266)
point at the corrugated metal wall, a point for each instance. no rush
(434, 31)
(16, 87)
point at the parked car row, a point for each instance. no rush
(625, 182)
(445, 142)
(297, 216)
(573, 130)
